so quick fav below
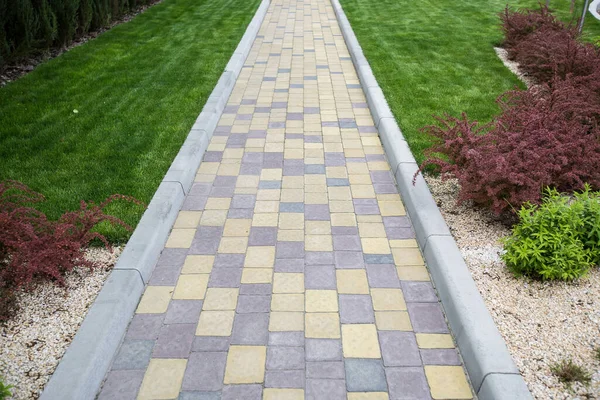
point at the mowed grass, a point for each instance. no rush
(137, 89)
(435, 57)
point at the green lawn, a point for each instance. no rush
(138, 89)
(432, 57)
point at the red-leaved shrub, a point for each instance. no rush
(517, 25)
(546, 136)
(33, 248)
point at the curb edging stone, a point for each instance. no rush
(83, 367)
(491, 369)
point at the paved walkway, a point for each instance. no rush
(291, 271)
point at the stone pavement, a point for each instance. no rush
(291, 271)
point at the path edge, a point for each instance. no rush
(490, 366)
(85, 363)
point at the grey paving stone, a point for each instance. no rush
(248, 102)
(323, 349)
(229, 261)
(319, 277)
(312, 110)
(206, 241)
(317, 212)
(366, 207)
(289, 250)
(285, 357)
(204, 372)
(240, 213)
(382, 276)
(211, 343)
(183, 312)
(400, 233)
(314, 169)
(269, 185)
(276, 124)
(356, 309)
(174, 341)
(253, 158)
(296, 86)
(285, 379)
(199, 396)
(121, 385)
(286, 339)
(221, 192)
(378, 259)
(200, 188)
(399, 349)
(365, 375)
(291, 207)
(427, 318)
(225, 181)
(440, 357)
(250, 329)
(385, 188)
(346, 242)
(250, 169)
(344, 230)
(242, 392)
(171, 257)
(165, 276)
(256, 288)
(338, 182)
(334, 159)
(367, 129)
(293, 170)
(289, 265)
(133, 354)
(330, 389)
(231, 109)
(145, 326)
(349, 259)
(295, 116)
(243, 201)
(325, 370)
(253, 304)
(407, 383)
(194, 203)
(397, 222)
(259, 133)
(418, 292)
(225, 277)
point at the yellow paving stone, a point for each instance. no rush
(268, 194)
(180, 238)
(292, 182)
(292, 195)
(286, 321)
(291, 221)
(257, 275)
(293, 154)
(408, 256)
(271, 174)
(413, 273)
(229, 170)
(369, 219)
(266, 206)
(322, 325)
(162, 379)
(283, 394)
(321, 301)
(198, 264)
(215, 323)
(370, 141)
(397, 243)
(288, 282)
(388, 299)
(333, 147)
(220, 299)
(233, 244)
(213, 218)
(317, 227)
(360, 180)
(343, 219)
(360, 341)
(371, 230)
(287, 302)
(187, 219)
(393, 321)
(352, 281)
(368, 396)
(315, 198)
(341, 206)
(388, 197)
(260, 257)
(336, 172)
(378, 165)
(374, 150)
(362, 191)
(391, 208)
(237, 227)
(435, 341)
(447, 382)
(209, 168)
(339, 193)
(191, 287)
(266, 219)
(245, 364)
(208, 178)
(273, 147)
(315, 179)
(233, 153)
(217, 204)
(372, 245)
(155, 300)
(357, 168)
(318, 243)
(240, 190)
(290, 235)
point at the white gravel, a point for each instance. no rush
(513, 66)
(32, 343)
(542, 323)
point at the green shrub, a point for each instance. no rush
(568, 372)
(560, 239)
(4, 390)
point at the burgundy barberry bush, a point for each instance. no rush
(33, 248)
(517, 25)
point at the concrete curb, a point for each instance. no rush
(490, 366)
(80, 373)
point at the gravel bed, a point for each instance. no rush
(513, 66)
(542, 323)
(34, 341)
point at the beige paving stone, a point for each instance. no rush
(266, 219)
(271, 174)
(341, 206)
(292, 195)
(291, 221)
(318, 243)
(339, 193)
(283, 394)
(268, 194)
(288, 282)
(315, 198)
(220, 299)
(237, 227)
(215, 323)
(317, 227)
(352, 281)
(162, 379)
(292, 182)
(187, 220)
(290, 235)
(229, 170)
(209, 168)
(287, 302)
(191, 287)
(257, 275)
(198, 264)
(360, 341)
(362, 191)
(393, 321)
(388, 299)
(321, 301)
(372, 245)
(361, 180)
(413, 273)
(155, 300)
(323, 325)
(260, 257)
(434, 341)
(266, 206)
(371, 230)
(214, 203)
(357, 169)
(245, 364)
(343, 219)
(286, 321)
(233, 245)
(369, 219)
(205, 178)
(447, 382)
(368, 396)
(180, 238)
(213, 217)
(391, 208)
(400, 243)
(378, 166)
(407, 256)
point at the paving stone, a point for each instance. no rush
(379, 259)
(346, 242)
(133, 354)
(330, 389)
(250, 329)
(286, 338)
(418, 292)
(225, 278)
(323, 349)
(285, 358)
(360, 341)
(256, 288)
(356, 309)
(145, 326)
(165, 276)
(407, 383)
(204, 371)
(199, 396)
(245, 364)
(229, 260)
(289, 265)
(365, 375)
(325, 370)
(254, 304)
(290, 250)
(427, 318)
(239, 392)
(440, 357)
(162, 379)
(399, 349)
(285, 379)
(319, 258)
(349, 259)
(382, 276)
(283, 394)
(174, 341)
(447, 382)
(171, 257)
(210, 344)
(121, 385)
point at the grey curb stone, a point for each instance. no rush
(488, 362)
(83, 368)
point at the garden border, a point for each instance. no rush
(490, 366)
(82, 369)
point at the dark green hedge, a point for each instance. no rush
(27, 26)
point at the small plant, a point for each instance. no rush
(560, 239)
(568, 372)
(597, 353)
(5, 392)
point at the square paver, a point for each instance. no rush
(323, 349)
(285, 379)
(205, 371)
(330, 389)
(356, 309)
(382, 276)
(121, 385)
(245, 364)
(448, 382)
(163, 379)
(174, 341)
(250, 329)
(321, 301)
(399, 349)
(323, 325)
(365, 375)
(352, 281)
(407, 383)
(360, 341)
(133, 354)
(427, 318)
(246, 392)
(254, 304)
(285, 358)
